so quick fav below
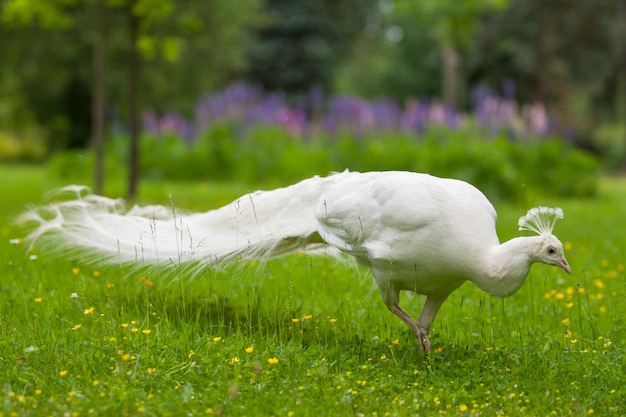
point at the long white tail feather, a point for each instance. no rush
(258, 225)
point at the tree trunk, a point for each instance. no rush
(621, 73)
(99, 97)
(133, 105)
(450, 63)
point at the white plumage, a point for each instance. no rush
(417, 233)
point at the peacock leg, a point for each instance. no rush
(421, 333)
(421, 328)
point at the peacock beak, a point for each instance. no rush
(562, 263)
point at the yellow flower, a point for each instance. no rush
(134, 330)
(146, 281)
(217, 339)
(462, 408)
(38, 300)
(89, 310)
(272, 361)
(191, 353)
(63, 372)
(96, 274)
(151, 370)
(124, 325)
(565, 321)
(249, 349)
(332, 320)
(233, 361)
(395, 342)
(76, 327)
(75, 271)
(95, 382)
(125, 357)
(574, 341)
(295, 320)
(308, 317)
(146, 331)
(598, 283)
(567, 246)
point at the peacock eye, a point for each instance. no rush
(551, 250)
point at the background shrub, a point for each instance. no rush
(503, 168)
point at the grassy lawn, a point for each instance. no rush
(303, 336)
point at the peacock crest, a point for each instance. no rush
(540, 220)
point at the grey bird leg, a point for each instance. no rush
(421, 328)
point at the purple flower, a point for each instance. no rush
(245, 106)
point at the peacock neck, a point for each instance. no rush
(506, 266)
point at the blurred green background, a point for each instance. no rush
(510, 95)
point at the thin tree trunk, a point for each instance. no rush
(621, 66)
(450, 64)
(99, 97)
(133, 105)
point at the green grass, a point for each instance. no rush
(307, 336)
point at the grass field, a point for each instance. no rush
(302, 336)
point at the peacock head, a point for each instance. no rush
(550, 251)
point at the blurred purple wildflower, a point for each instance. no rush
(499, 114)
(169, 123)
(246, 106)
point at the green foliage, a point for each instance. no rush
(611, 139)
(304, 335)
(189, 48)
(26, 146)
(48, 14)
(403, 69)
(501, 167)
(451, 22)
(153, 10)
(560, 169)
(301, 43)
